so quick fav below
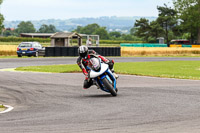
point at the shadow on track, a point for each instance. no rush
(99, 96)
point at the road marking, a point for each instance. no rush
(8, 109)
(8, 69)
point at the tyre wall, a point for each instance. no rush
(73, 51)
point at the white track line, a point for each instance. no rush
(9, 108)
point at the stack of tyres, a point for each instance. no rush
(104, 51)
(119, 51)
(49, 51)
(58, 51)
(113, 51)
(64, 51)
(70, 51)
(116, 51)
(92, 48)
(75, 51)
(98, 50)
(109, 50)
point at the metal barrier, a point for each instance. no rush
(73, 51)
(142, 45)
(185, 46)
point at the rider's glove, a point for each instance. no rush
(111, 63)
(87, 76)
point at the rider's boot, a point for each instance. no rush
(87, 84)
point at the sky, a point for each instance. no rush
(66, 9)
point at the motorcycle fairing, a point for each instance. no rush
(108, 74)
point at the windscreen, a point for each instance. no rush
(94, 64)
(25, 45)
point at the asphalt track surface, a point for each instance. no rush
(56, 103)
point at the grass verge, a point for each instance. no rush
(2, 108)
(168, 69)
(51, 68)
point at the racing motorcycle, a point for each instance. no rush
(102, 76)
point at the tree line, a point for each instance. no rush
(28, 27)
(182, 21)
(1, 19)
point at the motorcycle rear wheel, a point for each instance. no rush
(109, 87)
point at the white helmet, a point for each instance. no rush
(83, 51)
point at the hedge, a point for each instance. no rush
(24, 39)
(44, 40)
(118, 41)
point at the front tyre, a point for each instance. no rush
(19, 55)
(109, 87)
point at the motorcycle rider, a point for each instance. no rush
(83, 60)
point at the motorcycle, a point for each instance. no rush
(102, 76)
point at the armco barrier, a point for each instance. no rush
(73, 51)
(142, 45)
(173, 45)
(195, 46)
(185, 46)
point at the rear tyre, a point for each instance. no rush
(109, 87)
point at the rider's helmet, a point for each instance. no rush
(83, 51)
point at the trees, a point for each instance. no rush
(189, 15)
(47, 29)
(94, 29)
(25, 27)
(127, 37)
(89, 29)
(113, 35)
(102, 32)
(163, 25)
(1, 19)
(142, 28)
(155, 30)
(1, 22)
(167, 19)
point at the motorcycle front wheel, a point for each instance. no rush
(109, 87)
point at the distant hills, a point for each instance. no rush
(121, 24)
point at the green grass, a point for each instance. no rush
(2, 108)
(51, 68)
(168, 69)
(5, 57)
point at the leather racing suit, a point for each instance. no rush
(83, 62)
